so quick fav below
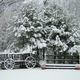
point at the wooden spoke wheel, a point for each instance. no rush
(9, 63)
(30, 62)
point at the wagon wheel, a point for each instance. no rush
(30, 62)
(9, 63)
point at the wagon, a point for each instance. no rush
(11, 60)
(27, 59)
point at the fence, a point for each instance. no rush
(55, 59)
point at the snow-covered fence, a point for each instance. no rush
(72, 57)
(54, 59)
(74, 49)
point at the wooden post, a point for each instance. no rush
(79, 58)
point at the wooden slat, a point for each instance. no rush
(60, 66)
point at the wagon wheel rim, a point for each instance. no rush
(9, 63)
(30, 62)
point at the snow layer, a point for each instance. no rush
(38, 74)
(74, 49)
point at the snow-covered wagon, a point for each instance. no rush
(26, 58)
(13, 60)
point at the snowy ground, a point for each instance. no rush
(38, 74)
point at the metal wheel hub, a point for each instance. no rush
(30, 62)
(9, 63)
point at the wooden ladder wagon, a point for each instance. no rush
(11, 60)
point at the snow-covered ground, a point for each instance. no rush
(38, 74)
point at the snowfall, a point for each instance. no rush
(39, 74)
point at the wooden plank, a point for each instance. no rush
(60, 66)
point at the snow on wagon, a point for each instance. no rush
(28, 58)
(12, 60)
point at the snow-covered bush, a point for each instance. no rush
(60, 32)
(48, 26)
